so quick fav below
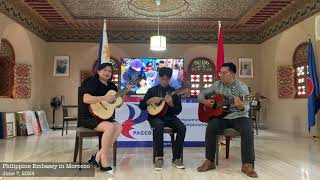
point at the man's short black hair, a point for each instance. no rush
(161, 62)
(165, 71)
(232, 67)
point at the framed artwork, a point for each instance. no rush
(61, 66)
(245, 68)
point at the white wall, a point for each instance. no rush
(288, 115)
(29, 49)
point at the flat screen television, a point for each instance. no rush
(148, 68)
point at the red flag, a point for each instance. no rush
(220, 52)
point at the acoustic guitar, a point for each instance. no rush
(104, 110)
(219, 108)
(161, 108)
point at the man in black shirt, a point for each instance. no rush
(168, 120)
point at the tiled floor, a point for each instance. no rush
(278, 157)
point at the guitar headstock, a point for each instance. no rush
(251, 97)
(182, 91)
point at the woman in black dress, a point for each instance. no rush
(93, 90)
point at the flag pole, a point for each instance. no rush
(219, 27)
(315, 137)
(220, 51)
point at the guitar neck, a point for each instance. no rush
(177, 91)
(231, 101)
(125, 89)
(172, 93)
(121, 92)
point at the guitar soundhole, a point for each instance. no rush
(156, 105)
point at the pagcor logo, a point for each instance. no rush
(128, 124)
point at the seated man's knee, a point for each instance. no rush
(182, 128)
(157, 123)
(246, 131)
(213, 126)
(246, 127)
(158, 128)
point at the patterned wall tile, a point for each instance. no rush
(22, 81)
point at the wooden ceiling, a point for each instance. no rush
(182, 21)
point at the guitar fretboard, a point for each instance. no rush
(132, 82)
(229, 100)
(121, 92)
(177, 91)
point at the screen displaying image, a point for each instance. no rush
(148, 68)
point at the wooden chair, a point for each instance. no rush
(66, 117)
(85, 133)
(82, 133)
(167, 130)
(228, 133)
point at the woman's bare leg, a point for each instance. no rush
(117, 132)
(108, 129)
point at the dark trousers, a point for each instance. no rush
(178, 127)
(243, 125)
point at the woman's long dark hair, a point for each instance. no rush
(102, 66)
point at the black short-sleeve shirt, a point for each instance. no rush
(94, 87)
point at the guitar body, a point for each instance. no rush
(158, 110)
(206, 113)
(105, 110)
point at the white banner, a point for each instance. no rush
(137, 132)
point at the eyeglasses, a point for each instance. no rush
(223, 73)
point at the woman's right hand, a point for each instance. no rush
(109, 98)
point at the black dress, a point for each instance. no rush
(94, 87)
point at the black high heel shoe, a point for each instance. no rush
(93, 161)
(105, 169)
